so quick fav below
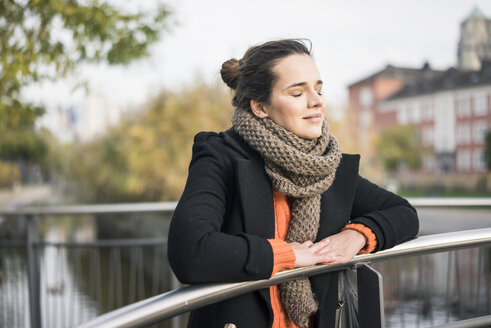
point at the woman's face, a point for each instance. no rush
(296, 101)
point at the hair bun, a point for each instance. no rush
(230, 73)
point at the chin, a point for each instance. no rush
(311, 134)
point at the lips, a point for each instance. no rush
(313, 117)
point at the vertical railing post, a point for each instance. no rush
(176, 321)
(33, 272)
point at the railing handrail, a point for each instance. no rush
(449, 201)
(92, 209)
(188, 298)
(170, 206)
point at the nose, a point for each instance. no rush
(315, 100)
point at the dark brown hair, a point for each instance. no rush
(252, 77)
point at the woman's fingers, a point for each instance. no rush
(327, 258)
(308, 243)
(318, 246)
(332, 250)
(306, 253)
(343, 247)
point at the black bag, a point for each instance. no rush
(360, 298)
(347, 310)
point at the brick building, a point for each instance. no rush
(451, 108)
(366, 95)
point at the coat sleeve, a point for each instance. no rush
(391, 218)
(198, 250)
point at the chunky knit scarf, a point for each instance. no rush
(303, 169)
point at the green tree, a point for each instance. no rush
(46, 39)
(400, 145)
(487, 150)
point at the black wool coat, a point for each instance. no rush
(221, 224)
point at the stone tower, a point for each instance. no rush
(475, 41)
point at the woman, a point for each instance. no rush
(275, 192)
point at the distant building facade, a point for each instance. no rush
(82, 118)
(450, 108)
(452, 113)
(366, 95)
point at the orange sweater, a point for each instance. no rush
(284, 257)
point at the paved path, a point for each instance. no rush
(439, 220)
(25, 195)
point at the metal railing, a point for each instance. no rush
(113, 268)
(152, 308)
(195, 296)
(170, 206)
(449, 202)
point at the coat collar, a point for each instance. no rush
(234, 141)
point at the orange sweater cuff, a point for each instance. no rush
(369, 235)
(284, 257)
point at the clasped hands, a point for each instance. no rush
(335, 249)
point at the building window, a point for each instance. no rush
(464, 107)
(479, 130)
(366, 97)
(480, 104)
(463, 134)
(479, 162)
(402, 115)
(427, 112)
(415, 113)
(428, 136)
(463, 160)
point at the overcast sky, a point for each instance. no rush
(351, 39)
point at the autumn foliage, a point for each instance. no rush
(146, 157)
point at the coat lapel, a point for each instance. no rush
(336, 201)
(255, 189)
(256, 196)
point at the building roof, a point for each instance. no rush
(404, 74)
(476, 14)
(449, 80)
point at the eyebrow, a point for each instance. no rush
(301, 84)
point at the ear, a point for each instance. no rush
(258, 109)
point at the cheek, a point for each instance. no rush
(288, 108)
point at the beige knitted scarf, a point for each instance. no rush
(303, 169)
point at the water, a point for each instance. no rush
(435, 289)
(78, 281)
(63, 301)
(13, 290)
